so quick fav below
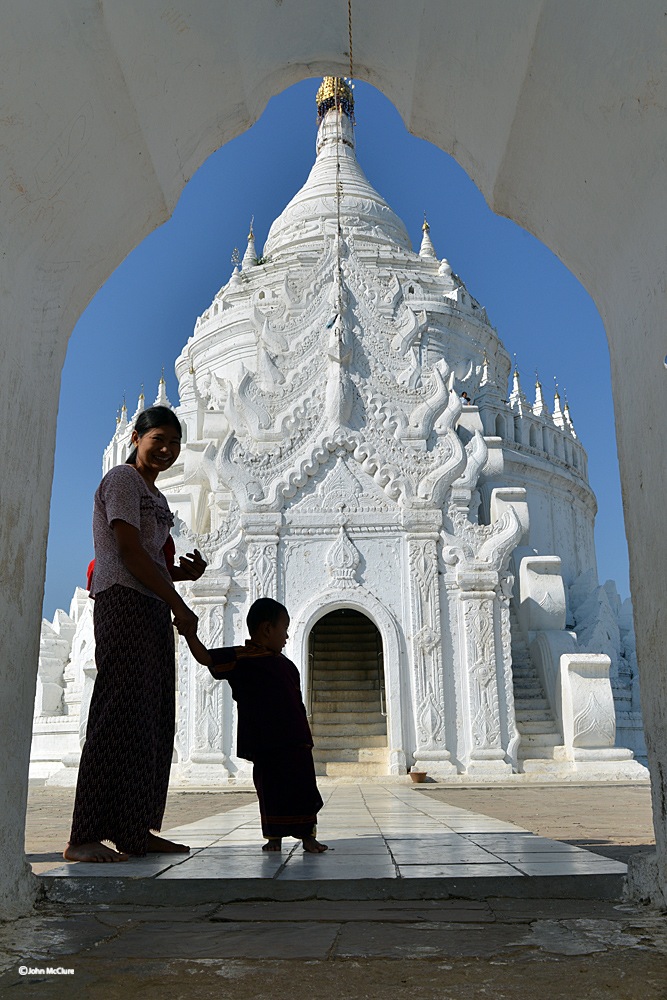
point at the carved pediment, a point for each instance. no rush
(342, 487)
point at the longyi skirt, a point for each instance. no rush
(289, 799)
(124, 771)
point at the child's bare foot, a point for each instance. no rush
(313, 846)
(275, 844)
(94, 851)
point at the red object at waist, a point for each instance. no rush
(169, 549)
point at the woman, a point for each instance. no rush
(125, 762)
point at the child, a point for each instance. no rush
(273, 730)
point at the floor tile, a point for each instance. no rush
(457, 871)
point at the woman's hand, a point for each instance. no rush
(191, 566)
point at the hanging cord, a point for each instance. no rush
(339, 196)
(339, 182)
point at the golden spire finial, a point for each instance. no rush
(425, 225)
(251, 234)
(335, 92)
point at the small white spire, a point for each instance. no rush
(141, 405)
(161, 398)
(558, 417)
(121, 421)
(250, 255)
(539, 406)
(427, 249)
(516, 394)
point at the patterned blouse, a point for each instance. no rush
(124, 496)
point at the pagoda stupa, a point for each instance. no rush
(350, 449)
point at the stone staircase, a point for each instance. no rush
(349, 729)
(534, 718)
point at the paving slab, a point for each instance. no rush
(229, 940)
(387, 841)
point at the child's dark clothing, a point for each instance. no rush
(273, 733)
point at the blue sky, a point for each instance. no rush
(140, 319)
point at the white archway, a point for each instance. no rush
(560, 133)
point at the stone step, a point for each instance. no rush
(347, 663)
(340, 769)
(347, 718)
(524, 673)
(344, 685)
(364, 755)
(533, 740)
(536, 726)
(532, 704)
(527, 684)
(350, 742)
(533, 715)
(335, 728)
(525, 755)
(357, 705)
(345, 673)
(366, 700)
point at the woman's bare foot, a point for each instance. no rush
(158, 845)
(275, 844)
(95, 851)
(313, 846)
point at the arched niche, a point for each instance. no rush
(395, 665)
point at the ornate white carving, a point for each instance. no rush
(485, 718)
(427, 647)
(343, 561)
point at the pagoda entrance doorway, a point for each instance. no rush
(347, 704)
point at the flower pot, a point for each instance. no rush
(418, 776)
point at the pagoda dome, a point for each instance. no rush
(313, 213)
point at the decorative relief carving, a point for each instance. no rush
(427, 645)
(262, 570)
(343, 561)
(481, 656)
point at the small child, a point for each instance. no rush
(273, 730)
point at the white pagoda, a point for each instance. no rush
(350, 449)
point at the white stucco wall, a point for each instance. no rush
(558, 118)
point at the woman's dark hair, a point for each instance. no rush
(154, 416)
(265, 609)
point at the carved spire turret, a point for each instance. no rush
(558, 417)
(517, 398)
(161, 398)
(141, 405)
(427, 249)
(250, 255)
(539, 406)
(122, 421)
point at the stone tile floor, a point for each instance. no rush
(374, 832)
(343, 930)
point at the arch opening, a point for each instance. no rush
(346, 695)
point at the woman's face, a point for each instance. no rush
(157, 449)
